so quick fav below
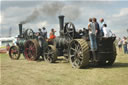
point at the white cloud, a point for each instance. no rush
(43, 24)
(0, 18)
(119, 22)
(123, 12)
(119, 19)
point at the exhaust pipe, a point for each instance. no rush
(61, 22)
(20, 29)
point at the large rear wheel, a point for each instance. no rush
(109, 61)
(14, 52)
(79, 53)
(31, 50)
(112, 58)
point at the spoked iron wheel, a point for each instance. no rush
(14, 52)
(31, 50)
(50, 54)
(79, 53)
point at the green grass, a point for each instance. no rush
(23, 72)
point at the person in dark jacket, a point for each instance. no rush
(40, 37)
(97, 27)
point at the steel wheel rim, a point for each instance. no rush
(30, 50)
(76, 55)
(49, 54)
(14, 52)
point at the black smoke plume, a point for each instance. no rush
(52, 10)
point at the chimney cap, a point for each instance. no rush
(61, 16)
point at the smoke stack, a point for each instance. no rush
(61, 22)
(20, 29)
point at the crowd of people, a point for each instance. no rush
(123, 43)
(43, 33)
(96, 30)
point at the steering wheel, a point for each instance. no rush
(29, 34)
(69, 29)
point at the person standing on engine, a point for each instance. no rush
(44, 33)
(92, 37)
(101, 26)
(40, 33)
(52, 34)
(97, 27)
(40, 37)
(107, 32)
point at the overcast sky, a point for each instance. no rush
(36, 14)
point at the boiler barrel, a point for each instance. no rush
(60, 42)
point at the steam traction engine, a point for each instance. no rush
(76, 47)
(70, 44)
(27, 44)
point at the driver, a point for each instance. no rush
(40, 37)
(52, 34)
(40, 32)
(42, 41)
(81, 33)
(44, 32)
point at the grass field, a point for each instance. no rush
(23, 72)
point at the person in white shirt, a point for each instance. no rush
(44, 32)
(101, 26)
(107, 32)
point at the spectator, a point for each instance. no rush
(52, 34)
(40, 37)
(101, 26)
(120, 44)
(107, 32)
(97, 27)
(125, 45)
(92, 37)
(7, 47)
(44, 32)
